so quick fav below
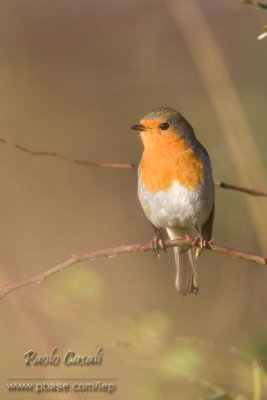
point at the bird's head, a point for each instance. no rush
(163, 126)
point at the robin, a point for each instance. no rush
(175, 187)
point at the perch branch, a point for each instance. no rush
(67, 158)
(118, 166)
(260, 4)
(132, 248)
(263, 34)
(238, 188)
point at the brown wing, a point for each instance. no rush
(206, 229)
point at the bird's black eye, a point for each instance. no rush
(164, 126)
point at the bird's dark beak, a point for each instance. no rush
(138, 127)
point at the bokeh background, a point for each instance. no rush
(74, 76)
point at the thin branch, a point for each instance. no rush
(263, 35)
(132, 166)
(68, 158)
(238, 188)
(132, 248)
(260, 4)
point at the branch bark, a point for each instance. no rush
(258, 3)
(67, 158)
(238, 188)
(132, 248)
(132, 166)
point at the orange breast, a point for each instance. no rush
(168, 158)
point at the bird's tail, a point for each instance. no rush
(186, 280)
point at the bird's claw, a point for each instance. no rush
(157, 245)
(201, 243)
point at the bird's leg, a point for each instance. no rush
(200, 242)
(157, 242)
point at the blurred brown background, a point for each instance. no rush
(74, 76)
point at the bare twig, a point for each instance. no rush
(262, 5)
(252, 192)
(263, 34)
(132, 248)
(132, 166)
(68, 158)
(255, 3)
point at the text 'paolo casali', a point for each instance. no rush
(70, 358)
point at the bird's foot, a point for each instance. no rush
(201, 243)
(157, 245)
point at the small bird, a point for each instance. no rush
(175, 187)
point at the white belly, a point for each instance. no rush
(178, 207)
